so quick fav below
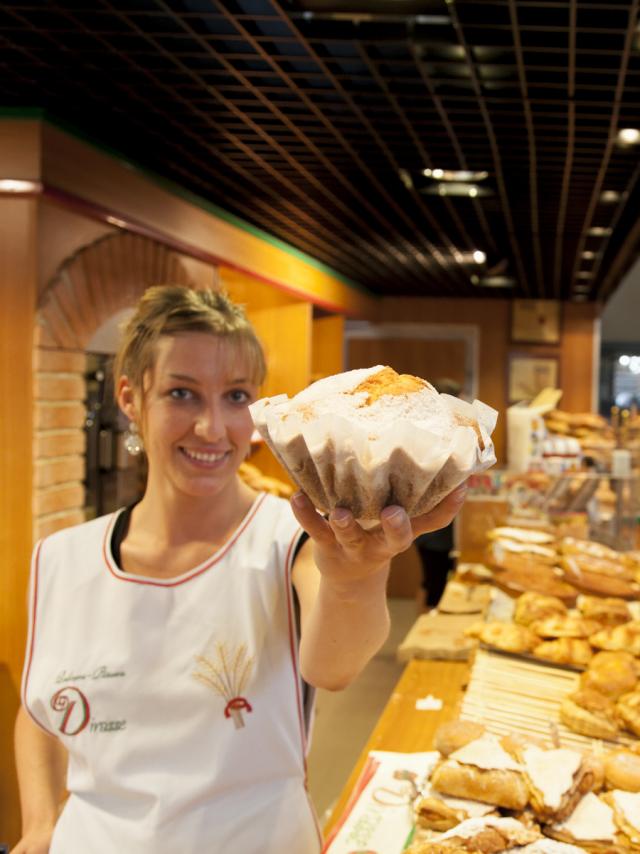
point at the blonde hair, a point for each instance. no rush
(172, 309)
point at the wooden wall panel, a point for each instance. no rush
(285, 332)
(491, 317)
(579, 358)
(327, 351)
(18, 273)
(431, 360)
(20, 149)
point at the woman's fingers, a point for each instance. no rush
(396, 527)
(346, 530)
(442, 514)
(308, 517)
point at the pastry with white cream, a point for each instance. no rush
(591, 825)
(488, 835)
(557, 780)
(483, 771)
(626, 815)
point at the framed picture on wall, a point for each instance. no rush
(535, 321)
(528, 375)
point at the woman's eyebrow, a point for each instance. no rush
(183, 377)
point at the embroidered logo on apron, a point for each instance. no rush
(227, 673)
(75, 706)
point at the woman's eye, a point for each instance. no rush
(181, 394)
(239, 395)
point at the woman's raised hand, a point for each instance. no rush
(345, 551)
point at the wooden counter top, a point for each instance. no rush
(401, 727)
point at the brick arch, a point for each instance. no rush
(87, 289)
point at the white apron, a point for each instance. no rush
(178, 700)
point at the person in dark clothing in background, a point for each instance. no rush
(435, 547)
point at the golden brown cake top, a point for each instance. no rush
(388, 381)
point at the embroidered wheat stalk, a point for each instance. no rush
(227, 675)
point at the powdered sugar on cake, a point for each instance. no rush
(376, 396)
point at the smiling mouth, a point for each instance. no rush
(201, 457)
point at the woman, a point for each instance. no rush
(162, 685)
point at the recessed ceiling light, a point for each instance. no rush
(456, 189)
(455, 174)
(629, 136)
(588, 254)
(581, 288)
(584, 274)
(580, 297)
(610, 196)
(479, 256)
(12, 185)
(599, 231)
(493, 281)
(405, 177)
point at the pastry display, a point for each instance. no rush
(454, 734)
(482, 770)
(435, 811)
(622, 770)
(622, 637)
(532, 606)
(590, 825)
(595, 582)
(628, 707)
(564, 626)
(509, 637)
(528, 536)
(488, 835)
(576, 652)
(606, 611)
(368, 438)
(590, 713)
(626, 816)
(557, 780)
(611, 673)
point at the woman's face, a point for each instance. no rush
(195, 419)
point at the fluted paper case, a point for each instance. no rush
(391, 456)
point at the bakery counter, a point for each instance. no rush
(404, 728)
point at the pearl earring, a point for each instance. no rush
(133, 440)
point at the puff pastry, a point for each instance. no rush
(628, 707)
(607, 611)
(434, 811)
(574, 651)
(622, 770)
(502, 787)
(590, 713)
(533, 606)
(626, 815)
(521, 535)
(601, 566)
(557, 780)
(506, 636)
(623, 637)
(488, 835)
(564, 626)
(454, 734)
(611, 673)
(595, 582)
(591, 825)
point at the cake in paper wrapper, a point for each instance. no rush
(369, 438)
